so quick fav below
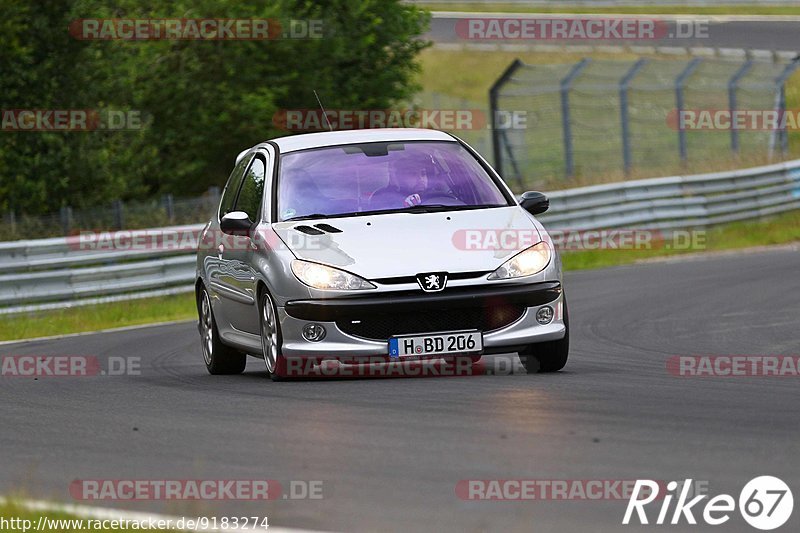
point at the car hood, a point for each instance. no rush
(405, 244)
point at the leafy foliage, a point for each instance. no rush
(201, 102)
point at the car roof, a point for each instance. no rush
(293, 143)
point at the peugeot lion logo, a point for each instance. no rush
(433, 281)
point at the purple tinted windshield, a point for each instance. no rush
(382, 177)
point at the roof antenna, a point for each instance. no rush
(324, 114)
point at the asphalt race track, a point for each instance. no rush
(391, 451)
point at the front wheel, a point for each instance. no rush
(219, 359)
(550, 356)
(271, 338)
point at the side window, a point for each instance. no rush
(232, 188)
(252, 189)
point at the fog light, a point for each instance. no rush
(313, 332)
(544, 315)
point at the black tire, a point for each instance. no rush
(271, 339)
(219, 358)
(550, 356)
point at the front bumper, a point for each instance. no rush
(339, 344)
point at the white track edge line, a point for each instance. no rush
(96, 332)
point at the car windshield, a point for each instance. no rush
(383, 177)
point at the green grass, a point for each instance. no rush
(471, 74)
(598, 158)
(555, 7)
(782, 229)
(10, 510)
(96, 317)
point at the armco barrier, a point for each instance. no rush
(679, 201)
(39, 274)
(35, 274)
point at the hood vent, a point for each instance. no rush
(308, 230)
(328, 228)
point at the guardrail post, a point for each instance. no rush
(119, 214)
(780, 107)
(169, 206)
(565, 86)
(66, 219)
(623, 112)
(733, 85)
(494, 93)
(680, 81)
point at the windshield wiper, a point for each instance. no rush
(422, 208)
(434, 208)
(313, 216)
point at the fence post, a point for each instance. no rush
(213, 197)
(780, 105)
(517, 173)
(733, 85)
(623, 112)
(494, 93)
(119, 214)
(214, 194)
(680, 81)
(566, 85)
(11, 220)
(169, 206)
(66, 219)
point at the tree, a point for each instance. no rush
(202, 102)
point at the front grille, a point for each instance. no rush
(451, 276)
(383, 326)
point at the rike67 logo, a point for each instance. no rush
(765, 503)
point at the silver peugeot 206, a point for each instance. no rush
(376, 245)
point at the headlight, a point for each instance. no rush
(325, 277)
(526, 263)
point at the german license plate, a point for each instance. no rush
(456, 342)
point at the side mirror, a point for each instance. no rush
(236, 223)
(534, 202)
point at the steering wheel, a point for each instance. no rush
(442, 198)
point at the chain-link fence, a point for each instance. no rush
(476, 131)
(158, 212)
(604, 120)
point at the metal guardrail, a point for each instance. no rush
(65, 272)
(96, 268)
(73, 251)
(679, 201)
